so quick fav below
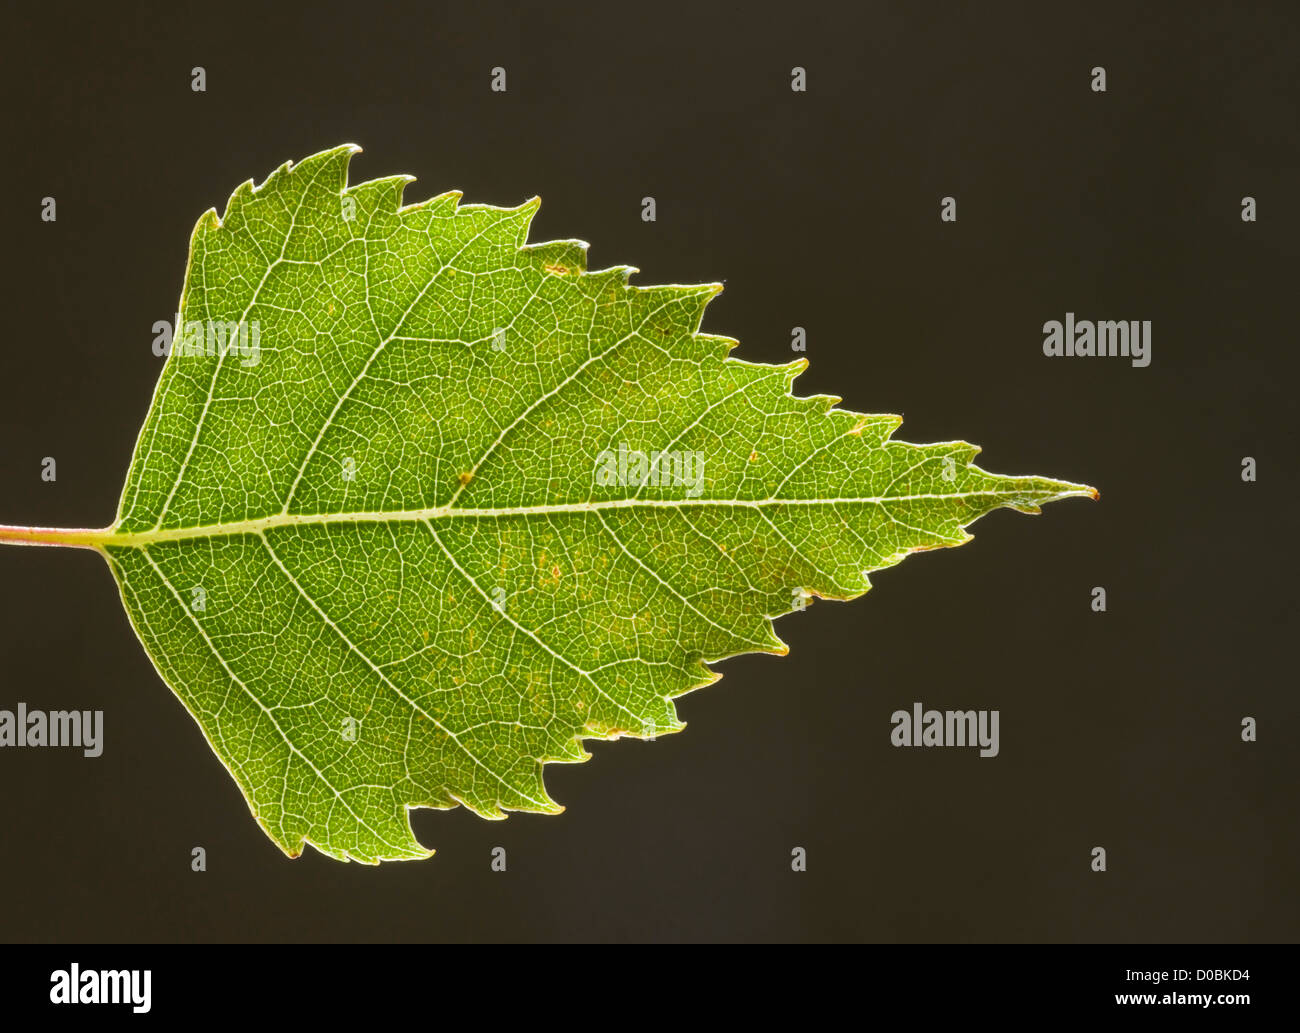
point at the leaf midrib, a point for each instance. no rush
(259, 524)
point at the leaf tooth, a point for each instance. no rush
(612, 278)
(488, 811)
(326, 172)
(722, 343)
(521, 218)
(690, 299)
(443, 204)
(235, 204)
(382, 195)
(875, 429)
(208, 222)
(517, 220)
(775, 644)
(570, 751)
(559, 257)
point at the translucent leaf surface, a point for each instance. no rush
(384, 560)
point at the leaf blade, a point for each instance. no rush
(473, 602)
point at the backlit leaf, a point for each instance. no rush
(454, 504)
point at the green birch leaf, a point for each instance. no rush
(419, 506)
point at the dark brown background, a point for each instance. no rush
(1119, 730)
